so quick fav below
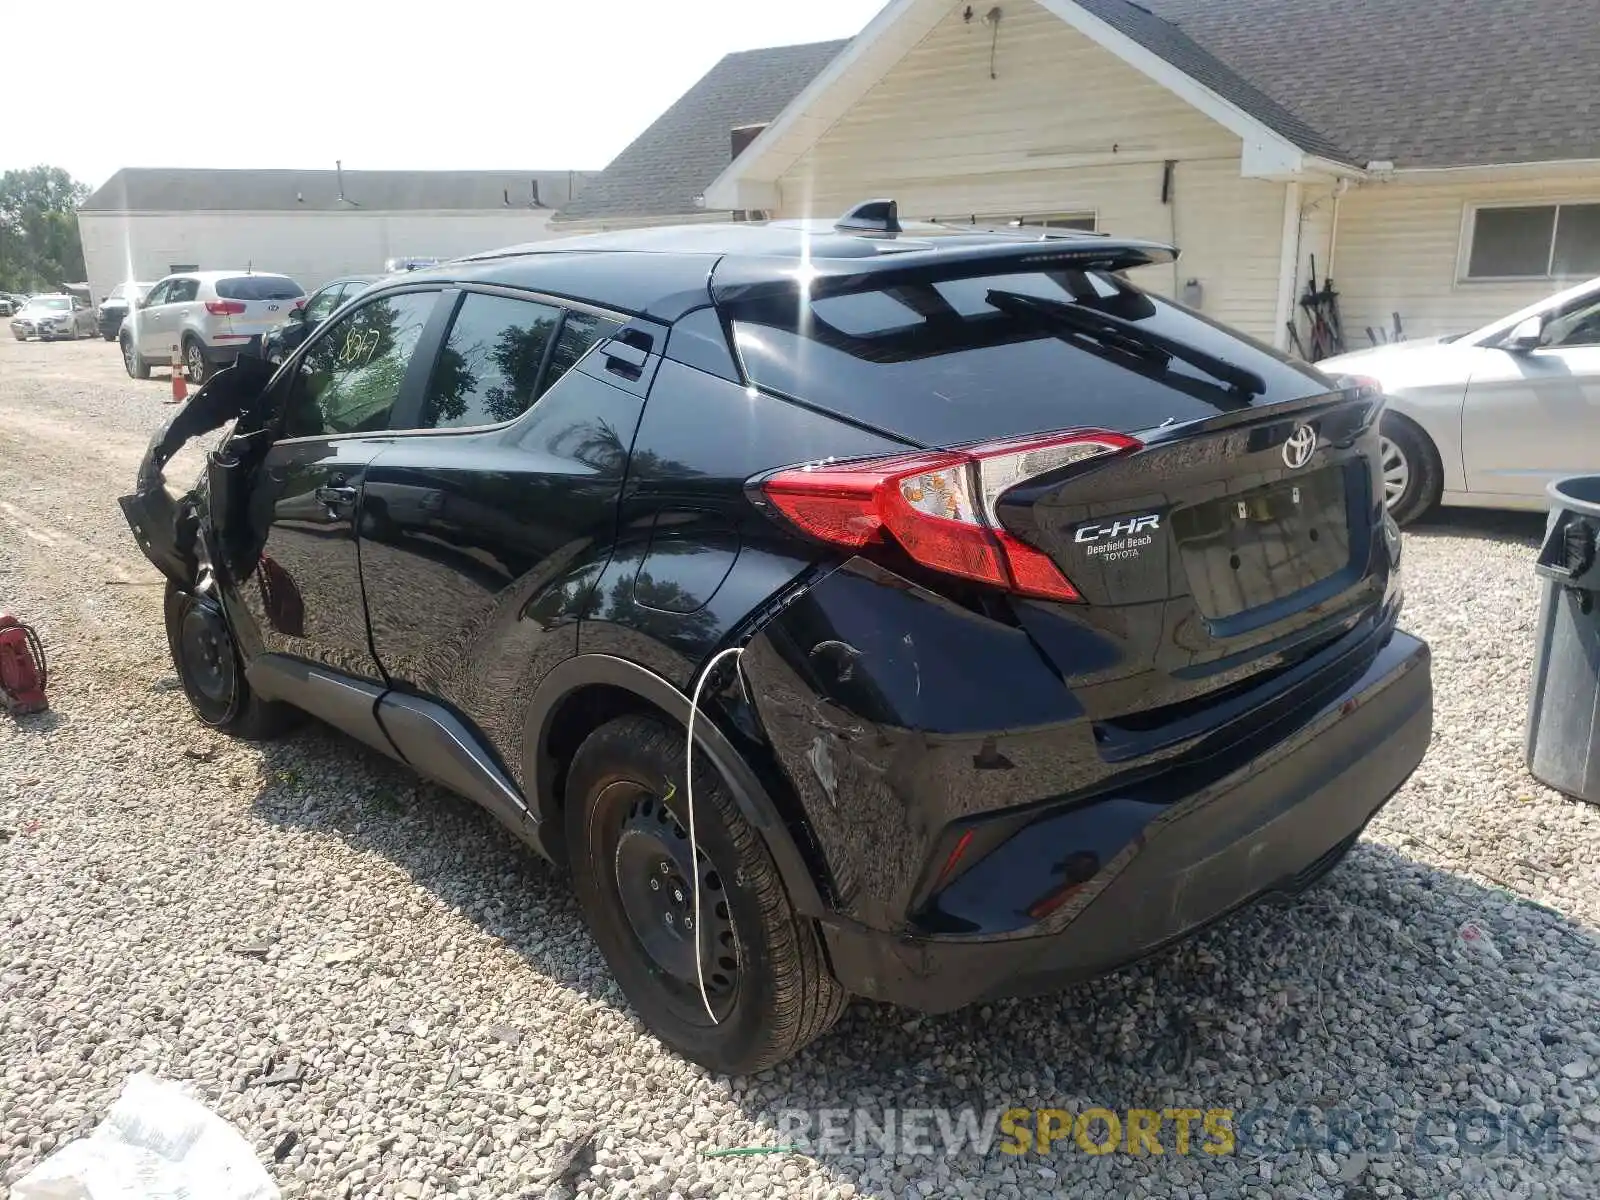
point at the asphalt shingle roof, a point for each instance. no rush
(1171, 42)
(163, 189)
(669, 164)
(1421, 83)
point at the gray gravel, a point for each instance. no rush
(380, 989)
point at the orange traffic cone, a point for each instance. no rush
(180, 388)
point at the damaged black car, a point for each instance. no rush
(1020, 620)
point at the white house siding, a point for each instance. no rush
(310, 247)
(1064, 126)
(1399, 245)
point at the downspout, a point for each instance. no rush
(1288, 265)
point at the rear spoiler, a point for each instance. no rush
(738, 279)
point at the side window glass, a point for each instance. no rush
(1580, 327)
(158, 294)
(579, 332)
(323, 304)
(489, 366)
(181, 291)
(351, 376)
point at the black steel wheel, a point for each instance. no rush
(208, 667)
(767, 980)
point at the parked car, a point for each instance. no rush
(279, 343)
(1023, 620)
(53, 317)
(209, 316)
(114, 307)
(394, 265)
(8, 305)
(1490, 417)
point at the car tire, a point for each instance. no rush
(1412, 476)
(765, 969)
(110, 337)
(212, 676)
(132, 361)
(196, 368)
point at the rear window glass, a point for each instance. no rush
(935, 361)
(259, 287)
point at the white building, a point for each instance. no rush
(310, 225)
(1441, 161)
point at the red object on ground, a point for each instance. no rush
(180, 389)
(22, 667)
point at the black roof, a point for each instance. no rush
(667, 271)
(669, 165)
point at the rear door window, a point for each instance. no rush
(489, 365)
(181, 291)
(349, 379)
(931, 359)
(501, 354)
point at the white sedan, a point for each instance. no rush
(1490, 417)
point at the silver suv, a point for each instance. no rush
(207, 316)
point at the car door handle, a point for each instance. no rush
(333, 497)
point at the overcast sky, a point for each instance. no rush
(381, 84)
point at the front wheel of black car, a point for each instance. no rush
(213, 678)
(766, 978)
(1412, 475)
(132, 361)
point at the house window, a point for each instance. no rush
(1534, 241)
(181, 268)
(1082, 221)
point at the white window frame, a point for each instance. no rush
(1469, 233)
(1032, 219)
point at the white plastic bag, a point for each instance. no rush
(156, 1143)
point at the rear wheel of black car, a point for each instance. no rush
(110, 337)
(766, 978)
(1412, 476)
(209, 669)
(132, 361)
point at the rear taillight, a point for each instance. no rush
(224, 308)
(940, 506)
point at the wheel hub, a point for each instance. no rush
(654, 876)
(207, 655)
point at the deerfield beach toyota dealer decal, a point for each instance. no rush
(1122, 538)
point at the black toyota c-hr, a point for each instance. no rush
(1024, 620)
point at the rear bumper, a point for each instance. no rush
(1270, 825)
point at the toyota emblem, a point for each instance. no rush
(1300, 446)
(272, 308)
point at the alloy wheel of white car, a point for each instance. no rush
(1396, 471)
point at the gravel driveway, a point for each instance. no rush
(390, 998)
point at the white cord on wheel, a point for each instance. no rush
(694, 848)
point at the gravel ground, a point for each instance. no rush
(389, 998)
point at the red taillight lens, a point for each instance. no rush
(224, 308)
(940, 506)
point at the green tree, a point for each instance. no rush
(39, 243)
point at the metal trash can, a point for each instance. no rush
(1564, 704)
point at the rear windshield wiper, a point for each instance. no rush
(1128, 335)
